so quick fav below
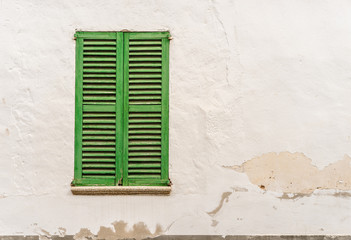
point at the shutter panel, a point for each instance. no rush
(146, 109)
(96, 118)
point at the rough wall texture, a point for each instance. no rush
(266, 80)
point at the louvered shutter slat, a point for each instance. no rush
(95, 59)
(99, 63)
(89, 42)
(135, 58)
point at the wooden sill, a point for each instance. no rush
(122, 190)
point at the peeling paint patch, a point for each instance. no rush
(294, 175)
(225, 197)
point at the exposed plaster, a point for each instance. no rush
(294, 175)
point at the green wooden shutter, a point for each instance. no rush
(146, 109)
(98, 108)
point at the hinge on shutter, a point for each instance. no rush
(75, 35)
(120, 182)
(170, 38)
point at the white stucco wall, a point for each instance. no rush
(247, 77)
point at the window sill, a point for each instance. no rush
(122, 190)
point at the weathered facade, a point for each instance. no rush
(260, 120)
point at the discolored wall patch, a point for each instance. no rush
(225, 197)
(120, 231)
(84, 234)
(288, 172)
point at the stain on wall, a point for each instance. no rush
(212, 214)
(288, 172)
(239, 189)
(214, 223)
(225, 197)
(84, 234)
(120, 231)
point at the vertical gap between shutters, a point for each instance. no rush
(119, 109)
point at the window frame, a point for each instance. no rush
(122, 107)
